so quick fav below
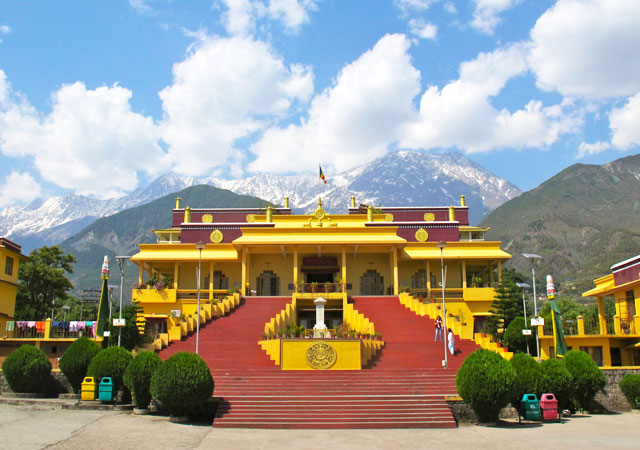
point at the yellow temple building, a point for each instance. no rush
(10, 259)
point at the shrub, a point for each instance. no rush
(27, 369)
(630, 387)
(555, 379)
(527, 375)
(137, 377)
(111, 362)
(586, 377)
(486, 382)
(513, 337)
(183, 382)
(76, 360)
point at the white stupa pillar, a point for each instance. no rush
(319, 329)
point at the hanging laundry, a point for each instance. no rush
(64, 325)
(82, 325)
(73, 326)
(22, 324)
(10, 325)
(31, 323)
(40, 327)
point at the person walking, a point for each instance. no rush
(450, 341)
(438, 329)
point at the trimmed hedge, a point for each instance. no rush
(556, 379)
(527, 375)
(586, 376)
(76, 359)
(137, 377)
(182, 383)
(630, 387)
(111, 362)
(486, 382)
(27, 369)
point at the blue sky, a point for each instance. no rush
(98, 98)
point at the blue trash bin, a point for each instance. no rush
(530, 407)
(105, 390)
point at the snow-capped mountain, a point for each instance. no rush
(403, 178)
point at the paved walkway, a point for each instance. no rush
(27, 427)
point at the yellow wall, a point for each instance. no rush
(348, 354)
(406, 269)
(356, 267)
(276, 262)
(8, 283)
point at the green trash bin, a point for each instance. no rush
(105, 390)
(530, 407)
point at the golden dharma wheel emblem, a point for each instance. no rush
(251, 218)
(429, 217)
(422, 235)
(216, 236)
(207, 218)
(321, 355)
(388, 217)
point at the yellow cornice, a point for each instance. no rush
(319, 235)
(455, 250)
(185, 252)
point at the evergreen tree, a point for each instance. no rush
(42, 280)
(506, 305)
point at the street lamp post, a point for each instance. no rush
(532, 257)
(441, 245)
(524, 308)
(200, 246)
(121, 262)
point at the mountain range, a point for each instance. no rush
(406, 178)
(581, 221)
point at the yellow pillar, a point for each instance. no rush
(601, 317)
(617, 325)
(210, 280)
(295, 269)
(178, 202)
(344, 266)
(490, 275)
(464, 269)
(428, 269)
(395, 270)
(636, 318)
(353, 201)
(286, 202)
(187, 214)
(580, 326)
(370, 213)
(176, 266)
(452, 214)
(606, 353)
(499, 271)
(141, 271)
(462, 201)
(244, 271)
(47, 329)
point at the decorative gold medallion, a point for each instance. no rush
(216, 236)
(422, 235)
(319, 213)
(321, 356)
(251, 218)
(429, 217)
(388, 217)
(207, 218)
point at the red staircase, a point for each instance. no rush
(403, 387)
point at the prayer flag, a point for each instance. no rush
(103, 307)
(322, 175)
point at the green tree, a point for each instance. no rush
(515, 340)
(131, 338)
(507, 303)
(569, 309)
(42, 280)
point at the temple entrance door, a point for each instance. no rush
(268, 283)
(319, 278)
(371, 283)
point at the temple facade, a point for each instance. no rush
(270, 252)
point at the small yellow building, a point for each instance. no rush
(613, 342)
(10, 258)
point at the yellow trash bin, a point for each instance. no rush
(88, 389)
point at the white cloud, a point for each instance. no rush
(225, 90)
(19, 188)
(625, 124)
(5, 29)
(592, 148)
(450, 7)
(241, 15)
(413, 5)
(588, 48)
(485, 14)
(422, 29)
(91, 141)
(461, 114)
(141, 6)
(352, 122)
